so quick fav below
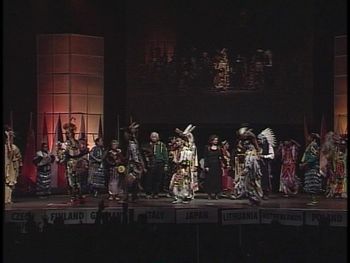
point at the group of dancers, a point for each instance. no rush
(244, 172)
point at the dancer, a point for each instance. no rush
(327, 168)
(341, 158)
(68, 153)
(227, 173)
(116, 167)
(266, 142)
(190, 157)
(12, 164)
(251, 174)
(135, 163)
(239, 190)
(180, 183)
(83, 166)
(288, 153)
(333, 156)
(310, 165)
(43, 160)
(97, 180)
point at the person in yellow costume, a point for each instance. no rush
(13, 164)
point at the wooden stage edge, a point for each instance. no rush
(287, 211)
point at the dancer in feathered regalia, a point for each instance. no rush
(135, 163)
(288, 152)
(239, 190)
(180, 183)
(252, 169)
(184, 182)
(266, 142)
(190, 156)
(69, 153)
(249, 183)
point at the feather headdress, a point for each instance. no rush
(269, 135)
(187, 132)
(243, 130)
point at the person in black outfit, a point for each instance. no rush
(212, 166)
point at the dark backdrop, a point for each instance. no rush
(300, 33)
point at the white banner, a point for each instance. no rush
(240, 216)
(336, 218)
(70, 216)
(155, 215)
(197, 215)
(284, 217)
(108, 213)
(17, 216)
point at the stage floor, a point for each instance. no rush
(275, 201)
(288, 211)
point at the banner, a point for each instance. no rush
(284, 217)
(197, 215)
(107, 213)
(69, 216)
(18, 216)
(155, 215)
(334, 218)
(240, 216)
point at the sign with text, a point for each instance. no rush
(107, 215)
(155, 215)
(197, 215)
(334, 218)
(69, 216)
(23, 216)
(284, 217)
(240, 216)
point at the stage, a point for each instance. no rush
(287, 211)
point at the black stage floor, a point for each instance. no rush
(288, 211)
(275, 201)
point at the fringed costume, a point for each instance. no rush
(310, 164)
(289, 182)
(135, 163)
(97, 180)
(43, 160)
(83, 166)
(116, 166)
(69, 153)
(227, 180)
